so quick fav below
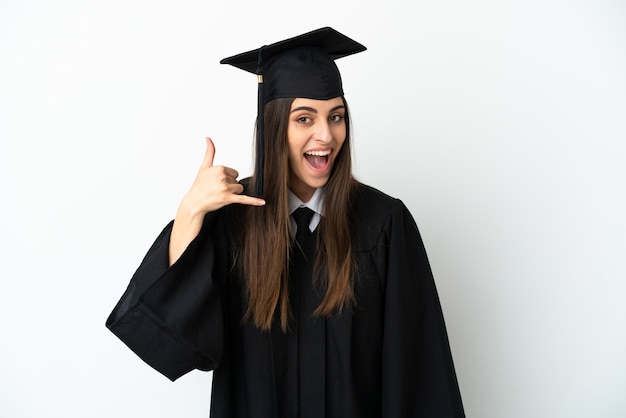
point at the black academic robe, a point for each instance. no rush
(388, 358)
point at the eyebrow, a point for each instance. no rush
(312, 110)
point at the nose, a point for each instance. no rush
(323, 133)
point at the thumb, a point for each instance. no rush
(207, 161)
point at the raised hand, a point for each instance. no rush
(213, 188)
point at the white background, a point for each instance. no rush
(501, 125)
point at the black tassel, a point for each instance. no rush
(260, 132)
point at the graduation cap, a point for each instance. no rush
(302, 66)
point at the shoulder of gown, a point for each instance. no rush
(373, 214)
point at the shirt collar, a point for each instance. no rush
(316, 204)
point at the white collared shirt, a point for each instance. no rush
(316, 204)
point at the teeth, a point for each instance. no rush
(318, 153)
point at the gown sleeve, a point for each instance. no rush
(172, 317)
(419, 379)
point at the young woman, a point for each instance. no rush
(316, 300)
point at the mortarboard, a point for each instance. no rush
(302, 66)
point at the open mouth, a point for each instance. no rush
(318, 159)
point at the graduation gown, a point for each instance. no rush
(389, 357)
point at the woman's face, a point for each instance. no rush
(315, 135)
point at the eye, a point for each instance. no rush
(303, 119)
(336, 118)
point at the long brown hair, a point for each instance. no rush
(267, 239)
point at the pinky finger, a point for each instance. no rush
(248, 200)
